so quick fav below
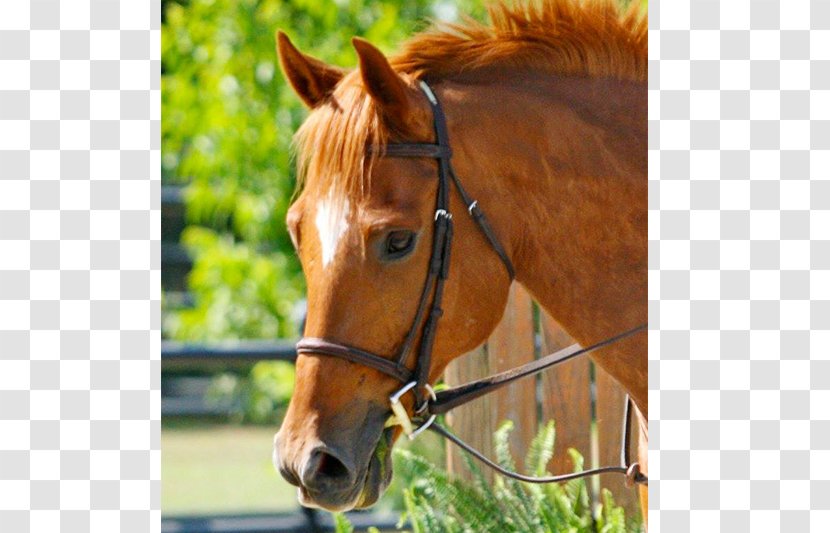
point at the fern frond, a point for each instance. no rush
(541, 450)
(610, 518)
(438, 502)
(539, 454)
(514, 493)
(413, 513)
(577, 489)
(501, 442)
(459, 501)
(342, 524)
(480, 482)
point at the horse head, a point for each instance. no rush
(363, 229)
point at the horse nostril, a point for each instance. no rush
(331, 466)
(326, 471)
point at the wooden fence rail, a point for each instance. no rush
(585, 402)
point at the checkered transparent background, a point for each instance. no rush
(739, 273)
(739, 96)
(79, 266)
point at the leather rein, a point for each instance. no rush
(428, 403)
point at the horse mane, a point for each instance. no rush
(596, 38)
(588, 37)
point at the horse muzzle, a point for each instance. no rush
(361, 494)
(340, 473)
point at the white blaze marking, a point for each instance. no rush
(331, 221)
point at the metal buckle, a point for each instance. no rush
(442, 213)
(472, 207)
(401, 417)
(428, 91)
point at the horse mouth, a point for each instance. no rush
(363, 494)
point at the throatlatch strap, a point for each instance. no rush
(483, 224)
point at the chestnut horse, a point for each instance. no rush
(546, 112)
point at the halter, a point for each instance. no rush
(428, 403)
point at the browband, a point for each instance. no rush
(430, 151)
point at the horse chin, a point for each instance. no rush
(378, 477)
(334, 502)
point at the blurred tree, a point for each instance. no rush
(228, 121)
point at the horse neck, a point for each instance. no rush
(561, 163)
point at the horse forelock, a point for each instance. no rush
(332, 159)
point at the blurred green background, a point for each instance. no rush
(228, 121)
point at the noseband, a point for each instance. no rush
(428, 404)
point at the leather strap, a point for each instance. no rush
(483, 224)
(443, 153)
(314, 345)
(631, 471)
(414, 150)
(451, 398)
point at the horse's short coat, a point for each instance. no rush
(546, 112)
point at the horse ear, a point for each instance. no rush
(311, 79)
(381, 80)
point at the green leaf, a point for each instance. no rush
(541, 450)
(435, 501)
(342, 524)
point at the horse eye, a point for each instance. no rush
(399, 243)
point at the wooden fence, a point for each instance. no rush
(585, 403)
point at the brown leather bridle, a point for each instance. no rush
(429, 404)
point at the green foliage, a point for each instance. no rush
(342, 524)
(610, 519)
(228, 121)
(241, 293)
(436, 501)
(259, 398)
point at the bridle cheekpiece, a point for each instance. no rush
(429, 309)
